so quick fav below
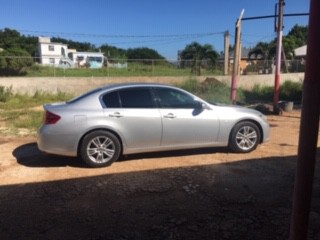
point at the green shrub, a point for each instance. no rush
(291, 91)
(258, 94)
(210, 90)
(190, 85)
(5, 93)
(14, 62)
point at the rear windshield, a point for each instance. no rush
(83, 96)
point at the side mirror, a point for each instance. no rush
(201, 105)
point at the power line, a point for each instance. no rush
(121, 35)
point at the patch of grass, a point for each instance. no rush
(22, 119)
(133, 69)
(22, 101)
(20, 111)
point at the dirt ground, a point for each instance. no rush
(195, 194)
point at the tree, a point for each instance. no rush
(112, 52)
(196, 53)
(144, 54)
(300, 34)
(14, 61)
(80, 46)
(296, 37)
(9, 38)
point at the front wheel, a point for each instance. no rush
(244, 137)
(100, 148)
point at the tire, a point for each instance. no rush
(100, 149)
(244, 137)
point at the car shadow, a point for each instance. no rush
(173, 153)
(30, 156)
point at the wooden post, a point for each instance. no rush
(277, 80)
(226, 52)
(236, 61)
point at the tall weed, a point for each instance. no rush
(5, 93)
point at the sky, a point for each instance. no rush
(166, 26)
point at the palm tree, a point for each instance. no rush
(263, 51)
(197, 53)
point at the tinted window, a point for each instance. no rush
(171, 98)
(111, 100)
(137, 98)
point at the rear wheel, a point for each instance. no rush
(244, 137)
(100, 148)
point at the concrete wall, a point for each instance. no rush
(77, 85)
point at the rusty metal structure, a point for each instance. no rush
(309, 130)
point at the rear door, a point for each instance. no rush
(133, 113)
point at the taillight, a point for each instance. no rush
(51, 118)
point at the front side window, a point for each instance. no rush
(52, 60)
(172, 98)
(137, 98)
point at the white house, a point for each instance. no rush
(301, 51)
(52, 53)
(58, 54)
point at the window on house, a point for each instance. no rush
(52, 60)
(80, 58)
(51, 48)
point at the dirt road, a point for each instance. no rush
(196, 194)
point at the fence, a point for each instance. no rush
(15, 66)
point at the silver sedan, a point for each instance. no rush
(122, 119)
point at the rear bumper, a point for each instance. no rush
(56, 143)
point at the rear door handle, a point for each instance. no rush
(115, 114)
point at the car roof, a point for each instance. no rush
(134, 84)
(117, 86)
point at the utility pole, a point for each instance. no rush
(226, 52)
(278, 58)
(236, 60)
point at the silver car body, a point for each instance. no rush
(143, 129)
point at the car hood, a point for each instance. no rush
(236, 109)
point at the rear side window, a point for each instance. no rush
(130, 98)
(111, 100)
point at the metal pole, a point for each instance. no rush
(278, 59)
(236, 60)
(309, 129)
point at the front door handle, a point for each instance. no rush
(170, 115)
